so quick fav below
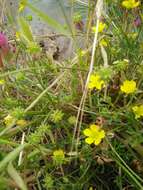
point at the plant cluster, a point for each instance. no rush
(66, 124)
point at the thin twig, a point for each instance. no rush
(43, 93)
(21, 153)
(77, 127)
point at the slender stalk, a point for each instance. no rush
(77, 127)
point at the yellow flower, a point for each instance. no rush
(95, 82)
(94, 134)
(101, 27)
(58, 153)
(59, 156)
(2, 82)
(103, 43)
(138, 111)
(130, 4)
(128, 86)
(8, 120)
(21, 122)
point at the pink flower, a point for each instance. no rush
(3, 40)
(137, 22)
(4, 48)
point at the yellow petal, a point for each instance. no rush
(91, 85)
(135, 108)
(97, 141)
(94, 127)
(122, 88)
(94, 78)
(102, 134)
(87, 132)
(89, 140)
(101, 27)
(128, 86)
(138, 111)
(129, 4)
(99, 84)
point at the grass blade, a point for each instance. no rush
(50, 21)
(16, 177)
(11, 156)
(26, 30)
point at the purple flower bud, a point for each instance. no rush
(3, 40)
(137, 22)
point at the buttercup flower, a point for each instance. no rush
(138, 111)
(94, 134)
(128, 87)
(101, 27)
(95, 82)
(130, 4)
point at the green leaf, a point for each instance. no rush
(50, 21)
(25, 29)
(16, 177)
(11, 156)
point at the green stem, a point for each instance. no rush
(131, 173)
